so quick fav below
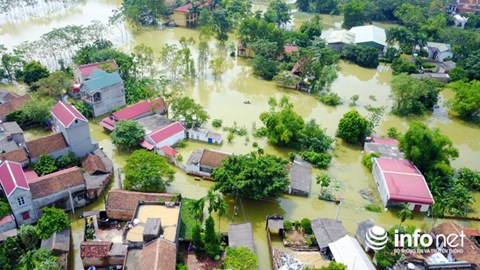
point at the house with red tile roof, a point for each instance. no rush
(135, 111)
(102, 254)
(100, 86)
(166, 135)
(186, 16)
(54, 145)
(12, 105)
(74, 127)
(17, 191)
(399, 181)
(159, 254)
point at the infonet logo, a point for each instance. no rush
(376, 238)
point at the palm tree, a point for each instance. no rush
(404, 212)
(213, 201)
(197, 208)
(222, 208)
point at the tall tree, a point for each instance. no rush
(33, 71)
(127, 134)
(54, 86)
(467, 99)
(221, 25)
(147, 172)
(189, 110)
(353, 128)
(53, 220)
(240, 258)
(277, 12)
(412, 96)
(354, 14)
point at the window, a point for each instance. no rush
(26, 215)
(21, 201)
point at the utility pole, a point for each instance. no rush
(339, 208)
(118, 175)
(71, 199)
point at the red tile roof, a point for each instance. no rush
(469, 252)
(95, 249)
(187, 7)
(93, 164)
(12, 177)
(46, 145)
(213, 158)
(17, 155)
(404, 181)
(169, 151)
(165, 132)
(87, 69)
(146, 145)
(138, 109)
(159, 254)
(6, 219)
(56, 182)
(121, 204)
(30, 174)
(108, 123)
(290, 48)
(67, 114)
(388, 141)
(13, 105)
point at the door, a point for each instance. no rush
(209, 140)
(417, 208)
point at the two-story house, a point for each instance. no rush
(74, 127)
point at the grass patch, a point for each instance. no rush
(187, 221)
(373, 208)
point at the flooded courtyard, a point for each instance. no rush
(223, 98)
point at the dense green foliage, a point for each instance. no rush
(318, 160)
(240, 258)
(412, 96)
(4, 209)
(10, 253)
(28, 234)
(147, 172)
(188, 219)
(355, 14)
(68, 160)
(211, 239)
(367, 160)
(53, 220)
(264, 67)
(277, 12)
(34, 112)
(186, 108)
(53, 86)
(467, 99)
(469, 178)
(330, 99)
(45, 165)
(404, 212)
(353, 128)
(364, 56)
(472, 65)
(33, 71)
(306, 225)
(127, 134)
(216, 123)
(373, 208)
(400, 65)
(252, 176)
(144, 12)
(38, 259)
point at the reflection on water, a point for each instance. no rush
(223, 98)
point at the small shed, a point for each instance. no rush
(241, 235)
(346, 250)
(152, 229)
(59, 245)
(326, 231)
(439, 51)
(362, 229)
(300, 177)
(386, 147)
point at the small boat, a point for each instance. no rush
(246, 102)
(197, 178)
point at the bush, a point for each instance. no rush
(428, 65)
(217, 123)
(306, 225)
(367, 160)
(179, 158)
(311, 241)
(318, 160)
(45, 165)
(53, 220)
(264, 67)
(393, 133)
(287, 225)
(255, 144)
(4, 209)
(68, 160)
(330, 99)
(402, 66)
(373, 208)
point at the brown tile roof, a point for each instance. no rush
(56, 182)
(160, 254)
(95, 249)
(471, 253)
(18, 155)
(94, 164)
(213, 158)
(13, 105)
(46, 145)
(121, 204)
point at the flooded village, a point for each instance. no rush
(205, 139)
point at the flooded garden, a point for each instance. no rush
(224, 97)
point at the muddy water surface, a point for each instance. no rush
(223, 98)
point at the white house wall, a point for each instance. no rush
(112, 97)
(380, 182)
(17, 210)
(171, 140)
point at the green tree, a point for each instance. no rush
(196, 208)
(306, 225)
(10, 253)
(254, 29)
(472, 65)
(147, 172)
(427, 148)
(458, 74)
(412, 16)
(334, 266)
(264, 67)
(127, 134)
(197, 240)
(220, 25)
(10, 62)
(45, 165)
(68, 160)
(252, 176)
(4, 209)
(314, 138)
(326, 6)
(324, 180)
(37, 111)
(53, 220)
(277, 12)
(404, 212)
(54, 86)
(39, 259)
(467, 99)
(303, 5)
(354, 14)
(400, 65)
(469, 178)
(211, 239)
(312, 28)
(34, 71)
(240, 258)
(367, 160)
(364, 56)
(412, 96)
(353, 128)
(189, 110)
(29, 236)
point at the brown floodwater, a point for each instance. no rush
(223, 98)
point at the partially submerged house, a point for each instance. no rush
(440, 77)
(12, 104)
(347, 251)
(11, 137)
(135, 111)
(167, 135)
(241, 235)
(386, 147)
(439, 51)
(204, 135)
(101, 90)
(202, 161)
(187, 15)
(327, 231)
(300, 177)
(370, 35)
(339, 38)
(399, 181)
(74, 126)
(102, 254)
(98, 173)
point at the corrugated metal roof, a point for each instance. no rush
(100, 79)
(341, 36)
(348, 251)
(369, 33)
